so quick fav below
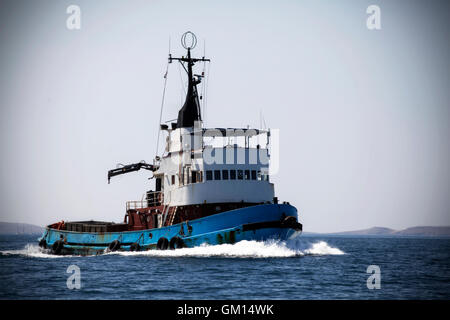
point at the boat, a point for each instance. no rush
(211, 186)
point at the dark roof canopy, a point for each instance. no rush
(231, 132)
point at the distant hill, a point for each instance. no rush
(19, 228)
(372, 231)
(413, 231)
(425, 231)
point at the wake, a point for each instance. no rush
(31, 250)
(242, 249)
(246, 249)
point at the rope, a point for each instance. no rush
(162, 106)
(183, 89)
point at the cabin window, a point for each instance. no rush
(200, 176)
(225, 174)
(240, 174)
(247, 174)
(258, 176)
(253, 174)
(173, 179)
(232, 174)
(216, 174)
(194, 176)
(208, 175)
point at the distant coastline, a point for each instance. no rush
(25, 228)
(429, 231)
(19, 228)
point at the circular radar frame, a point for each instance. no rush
(188, 40)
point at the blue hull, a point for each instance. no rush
(261, 222)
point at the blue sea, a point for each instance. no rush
(308, 267)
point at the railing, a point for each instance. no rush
(153, 199)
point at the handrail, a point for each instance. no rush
(153, 199)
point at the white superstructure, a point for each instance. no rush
(214, 166)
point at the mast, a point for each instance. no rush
(190, 112)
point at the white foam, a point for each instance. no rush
(32, 250)
(245, 249)
(242, 249)
(322, 248)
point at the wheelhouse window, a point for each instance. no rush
(247, 174)
(173, 179)
(208, 175)
(225, 174)
(232, 174)
(216, 174)
(253, 174)
(194, 176)
(240, 174)
(262, 176)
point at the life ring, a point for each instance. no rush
(176, 243)
(162, 244)
(114, 246)
(135, 246)
(43, 244)
(57, 247)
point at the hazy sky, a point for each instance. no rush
(363, 114)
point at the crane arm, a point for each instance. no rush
(130, 168)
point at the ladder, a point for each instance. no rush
(172, 217)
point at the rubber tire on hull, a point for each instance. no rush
(176, 243)
(162, 244)
(135, 247)
(43, 244)
(114, 246)
(291, 222)
(57, 247)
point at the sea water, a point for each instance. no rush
(308, 267)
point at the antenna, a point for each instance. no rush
(260, 119)
(191, 109)
(203, 95)
(264, 121)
